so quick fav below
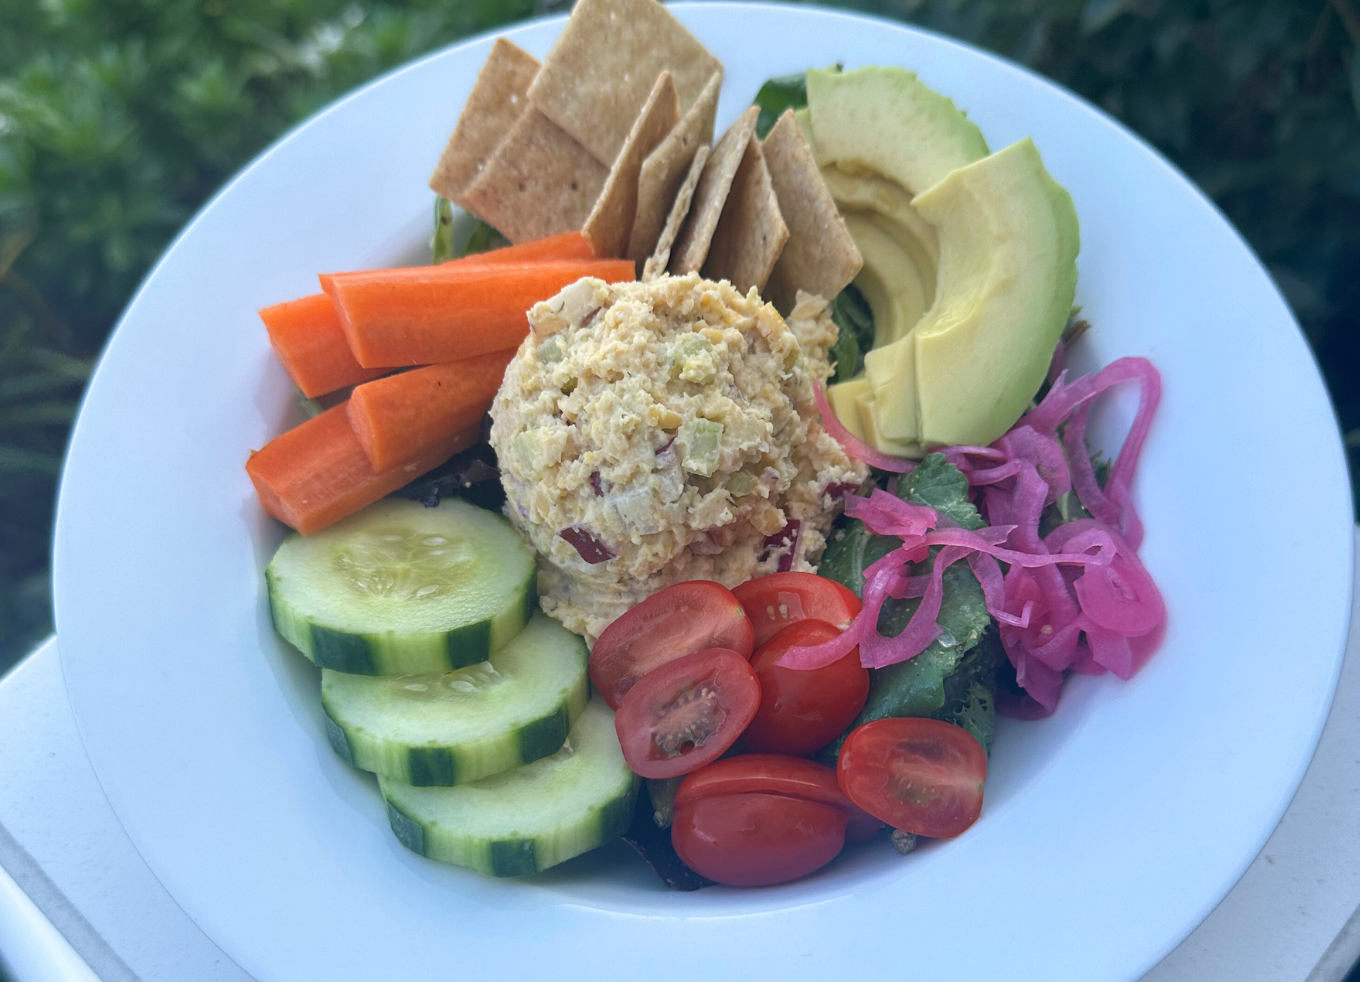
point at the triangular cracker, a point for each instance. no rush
(656, 265)
(598, 74)
(820, 256)
(692, 247)
(538, 182)
(497, 100)
(666, 166)
(751, 233)
(611, 219)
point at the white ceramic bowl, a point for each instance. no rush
(1110, 830)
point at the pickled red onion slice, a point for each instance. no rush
(852, 444)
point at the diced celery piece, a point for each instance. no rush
(550, 351)
(695, 360)
(740, 483)
(704, 437)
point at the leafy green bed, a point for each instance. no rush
(118, 118)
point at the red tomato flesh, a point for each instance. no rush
(919, 775)
(680, 620)
(687, 712)
(774, 602)
(801, 711)
(755, 840)
(793, 777)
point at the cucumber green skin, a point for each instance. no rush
(518, 857)
(427, 766)
(390, 653)
(528, 819)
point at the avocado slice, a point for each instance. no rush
(888, 200)
(886, 121)
(880, 135)
(891, 282)
(969, 260)
(1008, 238)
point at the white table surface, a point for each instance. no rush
(77, 902)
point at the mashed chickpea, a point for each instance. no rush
(655, 432)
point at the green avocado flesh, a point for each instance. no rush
(969, 261)
(886, 121)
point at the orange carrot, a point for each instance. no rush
(399, 417)
(430, 314)
(564, 245)
(308, 339)
(317, 473)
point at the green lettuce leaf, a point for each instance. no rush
(916, 687)
(483, 238)
(925, 685)
(855, 321)
(441, 245)
(938, 483)
(969, 693)
(850, 551)
(777, 95)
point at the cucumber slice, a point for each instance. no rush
(465, 725)
(401, 589)
(527, 819)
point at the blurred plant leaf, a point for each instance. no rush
(17, 459)
(1355, 79)
(1097, 14)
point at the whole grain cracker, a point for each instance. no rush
(691, 249)
(538, 182)
(751, 233)
(656, 265)
(820, 256)
(598, 74)
(666, 166)
(497, 100)
(611, 219)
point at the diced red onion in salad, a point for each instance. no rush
(787, 536)
(838, 491)
(1077, 600)
(591, 549)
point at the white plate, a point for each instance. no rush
(1110, 829)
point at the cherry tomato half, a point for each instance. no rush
(680, 620)
(803, 710)
(918, 775)
(754, 840)
(687, 712)
(774, 602)
(763, 773)
(793, 777)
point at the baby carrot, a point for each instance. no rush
(317, 473)
(308, 339)
(400, 417)
(430, 314)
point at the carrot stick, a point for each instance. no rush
(317, 473)
(564, 245)
(399, 417)
(308, 339)
(430, 314)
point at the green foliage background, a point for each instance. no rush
(118, 118)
